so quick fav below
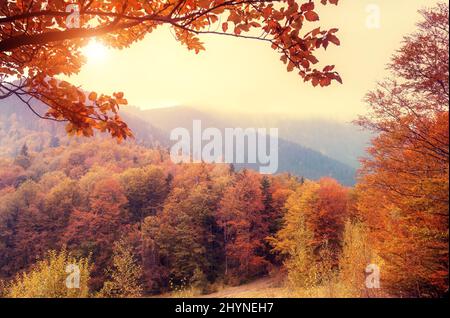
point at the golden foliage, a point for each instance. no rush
(125, 274)
(49, 278)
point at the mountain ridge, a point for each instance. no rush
(294, 157)
(152, 129)
(341, 141)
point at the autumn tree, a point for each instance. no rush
(94, 231)
(10, 175)
(275, 192)
(35, 221)
(245, 227)
(310, 240)
(125, 273)
(50, 278)
(404, 182)
(40, 40)
(8, 217)
(184, 236)
(59, 203)
(184, 242)
(327, 215)
(295, 240)
(356, 256)
(146, 189)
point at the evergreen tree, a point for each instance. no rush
(23, 159)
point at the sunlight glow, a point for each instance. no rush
(95, 51)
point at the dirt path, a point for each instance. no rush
(264, 287)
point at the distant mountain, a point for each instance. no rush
(341, 141)
(294, 157)
(18, 125)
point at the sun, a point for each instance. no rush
(95, 51)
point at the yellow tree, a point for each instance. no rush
(356, 256)
(60, 275)
(295, 241)
(125, 273)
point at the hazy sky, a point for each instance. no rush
(245, 75)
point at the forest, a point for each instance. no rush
(159, 227)
(135, 224)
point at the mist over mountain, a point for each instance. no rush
(19, 126)
(339, 140)
(342, 141)
(314, 153)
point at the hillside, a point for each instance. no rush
(294, 156)
(304, 154)
(342, 141)
(19, 126)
